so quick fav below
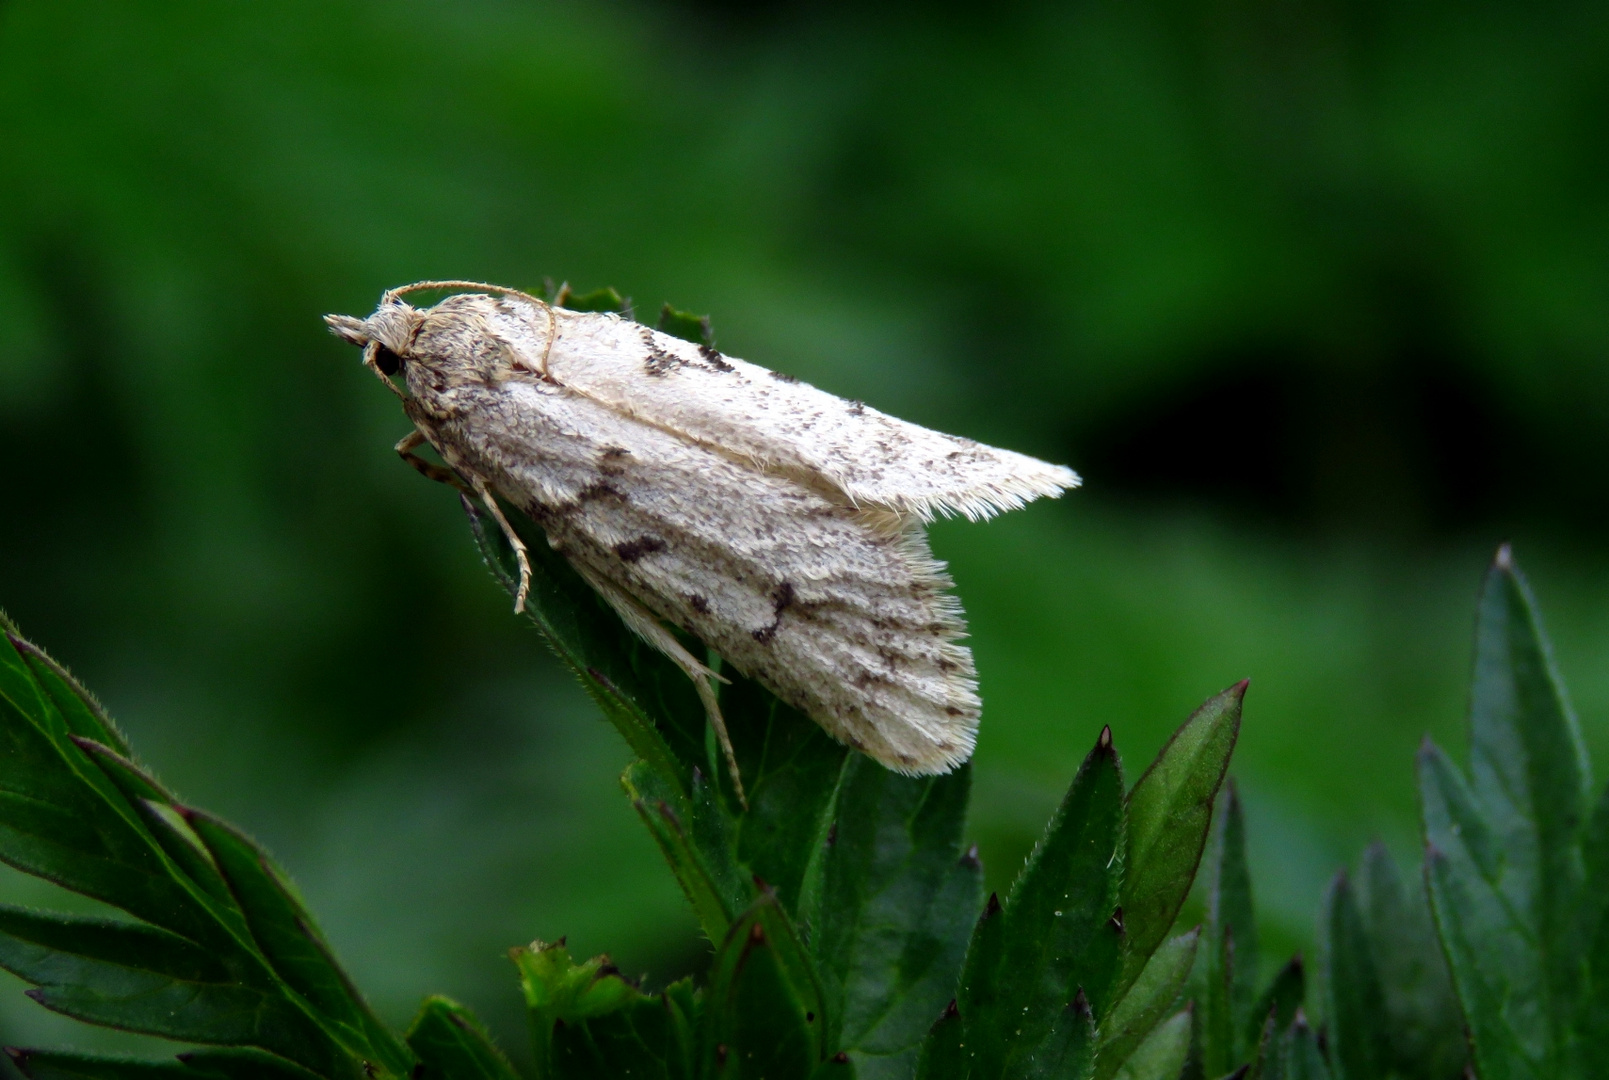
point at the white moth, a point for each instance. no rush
(779, 524)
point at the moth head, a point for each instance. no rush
(386, 337)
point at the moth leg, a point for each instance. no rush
(405, 449)
(647, 626)
(490, 502)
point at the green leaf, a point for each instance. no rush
(648, 699)
(558, 991)
(1354, 998)
(1426, 1031)
(704, 866)
(1062, 932)
(687, 326)
(981, 998)
(65, 1065)
(207, 964)
(1153, 996)
(209, 1064)
(604, 299)
(1169, 812)
(80, 710)
(1300, 1057)
(1230, 967)
(143, 979)
(1496, 967)
(890, 921)
(757, 1021)
(1504, 860)
(1594, 1005)
(944, 1054)
(648, 1038)
(1162, 1055)
(1067, 1052)
(791, 768)
(1277, 1004)
(451, 1045)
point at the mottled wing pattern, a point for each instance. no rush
(874, 459)
(841, 613)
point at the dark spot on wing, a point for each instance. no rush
(599, 490)
(783, 597)
(951, 710)
(714, 359)
(782, 376)
(632, 550)
(857, 408)
(611, 460)
(699, 604)
(661, 363)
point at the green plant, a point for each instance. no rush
(849, 932)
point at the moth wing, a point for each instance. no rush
(750, 412)
(839, 614)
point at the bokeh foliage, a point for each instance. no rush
(1314, 297)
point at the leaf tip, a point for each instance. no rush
(951, 1011)
(1116, 921)
(1105, 740)
(992, 908)
(1080, 1004)
(1503, 561)
(970, 859)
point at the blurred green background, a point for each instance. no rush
(1313, 294)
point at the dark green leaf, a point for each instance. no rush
(648, 1038)
(604, 299)
(451, 1045)
(646, 697)
(1162, 1055)
(944, 1054)
(232, 1064)
(791, 768)
(839, 1067)
(241, 1063)
(982, 995)
(1492, 950)
(1278, 1003)
(82, 713)
(890, 920)
(1426, 1036)
(756, 1021)
(706, 871)
(1067, 1051)
(1169, 812)
(1354, 998)
(288, 937)
(144, 979)
(1301, 1058)
(1527, 764)
(558, 991)
(687, 326)
(1231, 963)
(64, 1065)
(1062, 929)
(1154, 995)
(1594, 1005)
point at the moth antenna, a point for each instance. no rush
(391, 295)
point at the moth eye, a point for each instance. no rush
(387, 361)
